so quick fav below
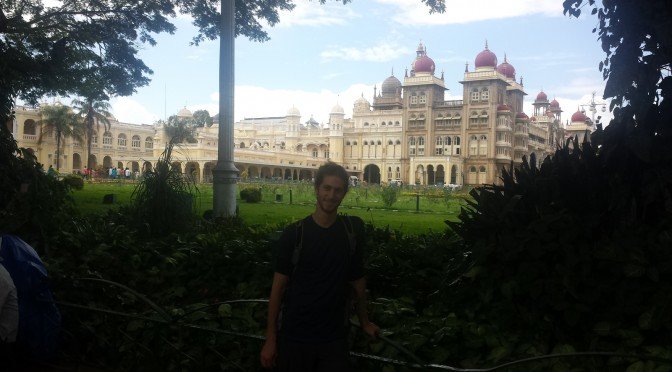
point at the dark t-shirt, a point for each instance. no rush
(314, 305)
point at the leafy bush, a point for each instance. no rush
(74, 181)
(251, 194)
(32, 205)
(562, 258)
(389, 195)
(163, 200)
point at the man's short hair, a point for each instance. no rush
(331, 169)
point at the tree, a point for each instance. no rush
(179, 130)
(59, 49)
(63, 123)
(637, 144)
(94, 112)
(202, 118)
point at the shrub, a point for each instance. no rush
(74, 181)
(251, 194)
(389, 195)
(562, 257)
(163, 199)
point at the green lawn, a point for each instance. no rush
(365, 203)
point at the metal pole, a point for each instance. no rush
(225, 173)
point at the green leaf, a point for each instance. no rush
(224, 310)
(636, 367)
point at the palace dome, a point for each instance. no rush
(362, 104)
(184, 113)
(579, 116)
(507, 69)
(555, 103)
(293, 111)
(422, 63)
(390, 86)
(486, 58)
(503, 107)
(522, 115)
(337, 109)
(541, 97)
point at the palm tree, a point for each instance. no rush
(94, 112)
(61, 121)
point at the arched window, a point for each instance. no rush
(421, 141)
(121, 140)
(149, 143)
(473, 146)
(315, 152)
(485, 94)
(396, 123)
(135, 142)
(366, 143)
(107, 138)
(456, 140)
(366, 123)
(398, 142)
(30, 127)
(347, 143)
(448, 142)
(439, 141)
(411, 141)
(379, 143)
(382, 124)
(389, 142)
(94, 137)
(482, 168)
(242, 145)
(474, 94)
(354, 143)
(483, 145)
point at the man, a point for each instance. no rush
(318, 265)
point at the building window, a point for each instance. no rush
(475, 95)
(121, 140)
(314, 153)
(438, 151)
(94, 138)
(347, 143)
(414, 99)
(483, 145)
(149, 143)
(326, 154)
(485, 94)
(423, 99)
(135, 142)
(107, 138)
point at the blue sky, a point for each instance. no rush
(319, 55)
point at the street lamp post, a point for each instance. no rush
(225, 173)
(592, 107)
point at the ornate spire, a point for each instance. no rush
(521, 80)
(406, 73)
(486, 44)
(466, 66)
(392, 74)
(441, 74)
(505, 61)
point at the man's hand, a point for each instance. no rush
(268, 354)
(371, 329)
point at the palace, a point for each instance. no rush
(409, 133)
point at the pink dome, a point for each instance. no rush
(541, 97)
(579, 116)
(507, 69)
(522, 115)
(486, 58)
(424, 64)
(503, 107)
(555, 103)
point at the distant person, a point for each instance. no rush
(51, 171)
(319, 264)
(9, 319)
(127, 173)
(114, 173)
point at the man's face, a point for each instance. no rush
(330, 194)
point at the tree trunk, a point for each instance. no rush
(58, 150)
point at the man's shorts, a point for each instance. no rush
(313, 357)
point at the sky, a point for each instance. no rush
(322, 55)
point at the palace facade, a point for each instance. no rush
(409, 133)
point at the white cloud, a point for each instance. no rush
(414, 12)
(311, 13)
(383, 52)
(128, 110)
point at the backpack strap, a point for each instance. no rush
(298, 244)
(350, 230)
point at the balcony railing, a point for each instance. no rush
(30, 137)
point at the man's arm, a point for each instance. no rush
(269, 351)
(369, 328)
